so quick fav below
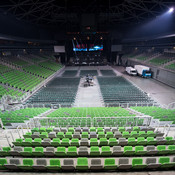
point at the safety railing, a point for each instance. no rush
(88, 121)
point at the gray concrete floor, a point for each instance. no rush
(160, 92)
(96, 173)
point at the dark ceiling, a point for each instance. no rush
(107, 12)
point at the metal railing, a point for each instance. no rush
(47, 122)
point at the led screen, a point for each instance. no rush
(95, 47)
(80, 47)
(83, 47)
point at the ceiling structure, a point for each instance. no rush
(61, 12)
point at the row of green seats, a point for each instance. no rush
(91, 112)
(170, 66)
(20, 80)
(73, 151)
(157, 113)
(159, 61)
(19, 116)
(119, 90)
(9, 91)
(38, 70)
(51, 65)
(124, 134)
(44, 141)
(4, 68)
(82, 164)
(91, 129)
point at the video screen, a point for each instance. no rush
(80, 47)
(95, 47)
(84, 47)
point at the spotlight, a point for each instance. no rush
(171, 10)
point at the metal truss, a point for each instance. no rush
(58, 12)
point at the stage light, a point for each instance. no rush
(74, 38)
(171, 10)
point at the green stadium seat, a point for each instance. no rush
(92, 129)
(101, 135)
(35, 130)
(94, 151)
(93, 142)
(103, 142)
(42, 130)
(139, 150)
(151, 134)
(132, 141)
(142, 134)
(121, 129)
(137, 163)
(54, 164)
(5, 151)
(60, 135)
(171, 149)
(109, 164)
(84, 135)
(113, 142)
(151, 141)
(128, 151)
(72, 151)
(105, 151)
(27, 164)
(3, 161)
(109, 135)
(68, 135)
(100, 129)
(165, 162)
(82, 164)
(18, 142)
(170, 140)
(71, 130)
(141, 141)
(74, 142)
(125, 134)
(134, 134)
(65, 142)
(27, 152)
(162, 150)
(39, 152)
(55, 142)
(61, 152)
(44, 135)
(27, 142)
(27, 135)
(49, 130)
(37, 142)
(136, 128)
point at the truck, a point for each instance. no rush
(131, 71)
(143, 71)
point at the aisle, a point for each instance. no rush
(88, 96)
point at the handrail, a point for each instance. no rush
(28, 125)
(2, 126)
(168, 129)
(20, 126)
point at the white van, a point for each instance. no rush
(131, 71)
